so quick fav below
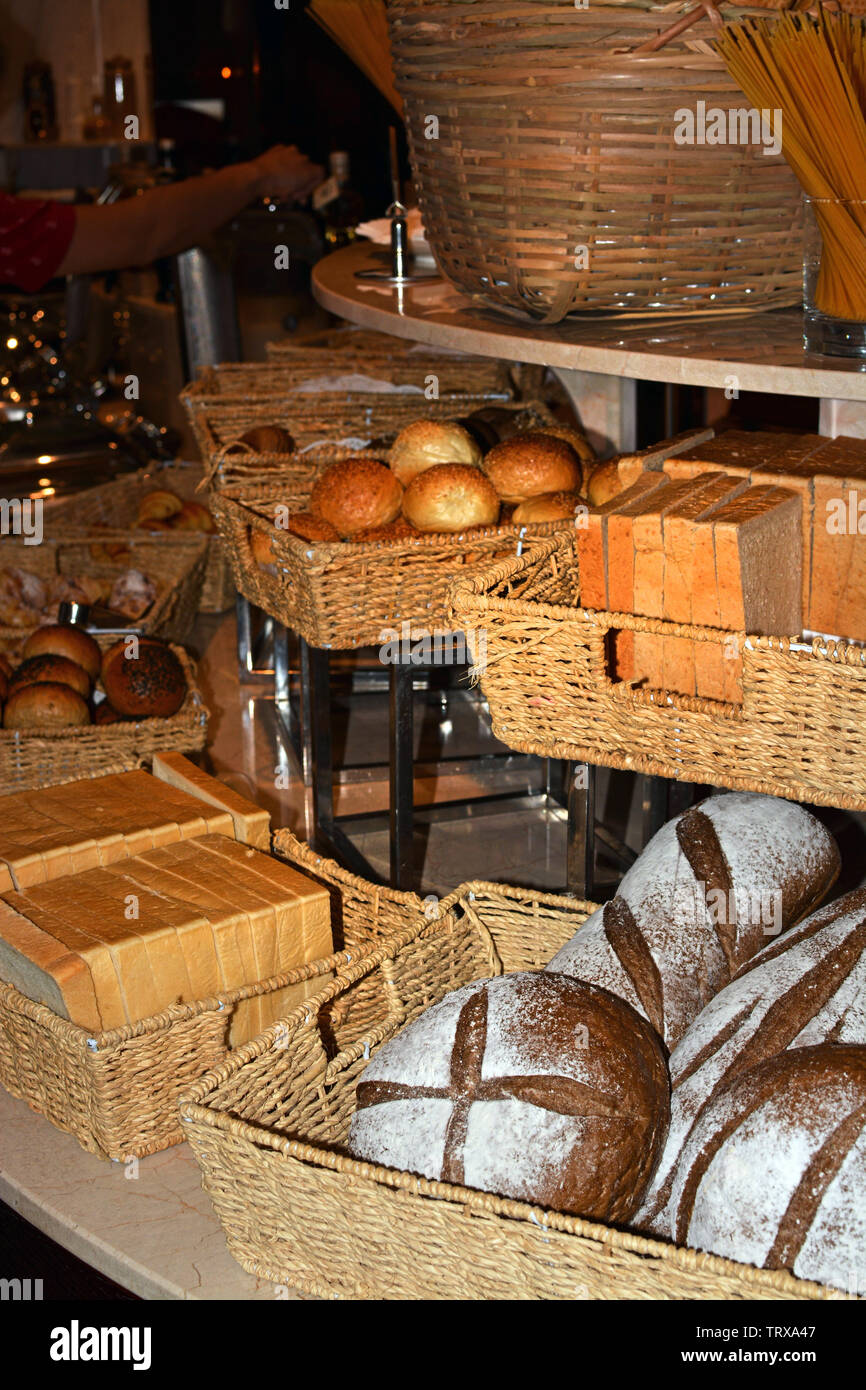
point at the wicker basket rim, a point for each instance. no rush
(472, 590)
(194, 1107)
(193, 700)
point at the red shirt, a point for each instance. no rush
(34, 238)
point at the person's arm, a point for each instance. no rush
(163, 221)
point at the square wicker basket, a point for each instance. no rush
(799, 733)
(114, 506)
(117, 1092)
(269, 1129)
(30, 759)
(177, 571)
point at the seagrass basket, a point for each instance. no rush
(114, 506)
(308, 372)
(117, 1092)
(546, 151)
(177, 571)
(800, 731)
(269, 1127)
(353, 419)
(347, 594)
(32, 758)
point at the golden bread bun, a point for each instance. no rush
(451, 497)
(393, 531)
(550, 506)
(193, 517)
(150, 685)
(604, 483)
(356, 493)
(425, 443)
(261, 546)
(530, 464)
(56, 669)
(159, 506)
(579, 442)
(105, 713)
(265, 439)
(65, 639)
(46, 706)
(311, 528)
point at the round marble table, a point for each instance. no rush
(600, 360)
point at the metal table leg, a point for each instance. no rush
(400, 775)
(654, 805)
(580, 853)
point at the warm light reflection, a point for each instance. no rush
(45, 458)
(44, 482)
(44, 492)
(225, 72)
(12, 342)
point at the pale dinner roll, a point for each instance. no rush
(46, 706)
(65, 639)
(425, 443)
(530, 464)
(355, 494)
(550, 506)
(450, 497)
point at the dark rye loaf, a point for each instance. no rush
(807, 987)
(529, 1085)
(704, 897)
(774, 1172)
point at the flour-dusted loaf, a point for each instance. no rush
(704, 897)
(531, 1085)
(774, 1173)
(807, 987)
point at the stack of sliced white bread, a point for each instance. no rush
(126, 894)
(756, 996)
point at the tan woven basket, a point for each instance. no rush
(799, 733)
(553, 181)
(344, 594)
(177, 572)
(118, 1092)
(299, 375)
(115, 505)
(269, 1126)
(316, 421)
(44, 758)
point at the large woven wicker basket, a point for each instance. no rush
(269, 1126)
(115, 505)
(315, 421)
(799, 733)
(177, 571)
(118, 1091)
(31, 758)
(348, 594)
(544, 146)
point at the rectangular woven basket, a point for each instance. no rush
(114, 505)
(314, 421)
(799, 733)
(347, 594)
(117, 1092)
(299, 373)
(177, 571)
(44, 758)
(269, 1132)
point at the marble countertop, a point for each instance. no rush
(752, 352)
(146, 1225)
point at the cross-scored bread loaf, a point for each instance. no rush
(774, 1172)
(529, 1085)
(805, 988)
(700, 901)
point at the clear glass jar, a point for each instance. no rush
(822, 332)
